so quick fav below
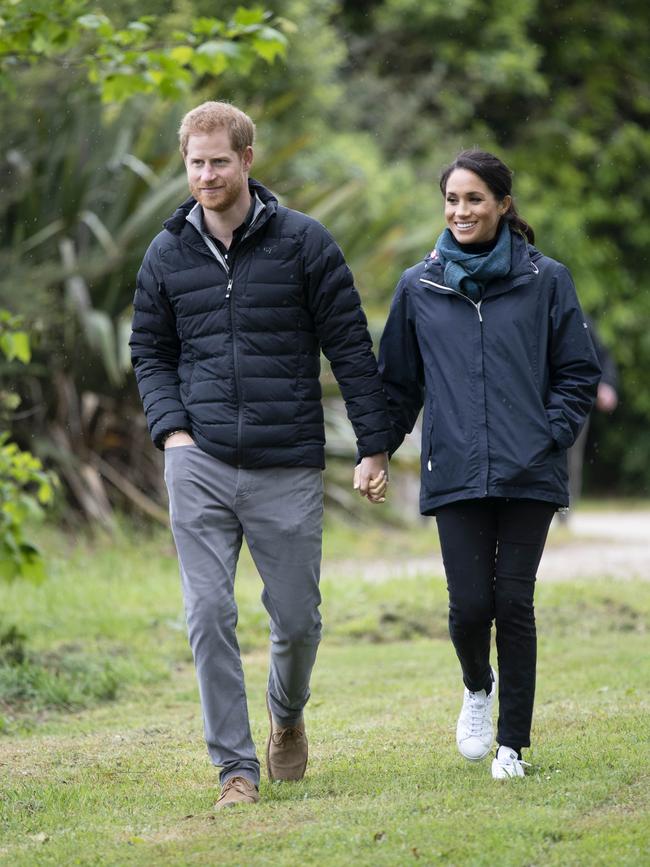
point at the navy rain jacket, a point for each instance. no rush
(232, 353)
(506, 383)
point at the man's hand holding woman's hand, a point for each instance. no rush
(371, 477)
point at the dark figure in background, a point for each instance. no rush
(235, 299)
(488, 334)
(606, 401)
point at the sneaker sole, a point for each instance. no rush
(507, 776)
(475, 758)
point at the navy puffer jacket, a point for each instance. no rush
(506, 383)
(233, 356)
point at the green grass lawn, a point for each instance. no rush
(102, 759)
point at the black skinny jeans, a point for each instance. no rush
(491, 549)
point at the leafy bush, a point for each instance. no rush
(129, 60)
(25, 486)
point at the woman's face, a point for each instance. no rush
(472, 211)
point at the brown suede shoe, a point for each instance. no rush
(286, 750)
(237, 790)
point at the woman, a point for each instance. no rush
(488, 334)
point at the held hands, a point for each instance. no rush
(371, 477)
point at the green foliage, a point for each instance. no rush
(82, 203)
(588, 147)
(14, 342)
(560, 92)
(20, 474)
(89, 170)
(25, 486)
(139, 58)
(373, 97)
(460, 58)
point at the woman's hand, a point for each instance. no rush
(371, 477)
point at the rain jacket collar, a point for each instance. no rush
(522, 271)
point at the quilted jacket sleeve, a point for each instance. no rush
(155, 351)
(342, 329)
(574, 368)
(401, 368)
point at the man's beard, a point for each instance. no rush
(222, 199)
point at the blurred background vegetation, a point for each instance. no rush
(358, 104)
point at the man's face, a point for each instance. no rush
(217, 175)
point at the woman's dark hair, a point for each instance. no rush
(496, 175)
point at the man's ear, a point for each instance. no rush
(247, 158)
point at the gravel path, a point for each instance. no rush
(615, 544)
(601, 544)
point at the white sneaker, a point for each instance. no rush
(507, 764)
(474, 732)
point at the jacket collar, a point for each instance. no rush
(189, 229)
(195, 216)
(523, 270)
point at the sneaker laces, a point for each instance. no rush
(477, 718)
(508, 760)
(514, 762)
(515, 768)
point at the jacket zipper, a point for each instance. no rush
(476, 306)
(229, 268)
(235, 361)
(235, 355)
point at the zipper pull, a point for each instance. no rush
(229, 288)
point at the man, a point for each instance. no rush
(234, 301)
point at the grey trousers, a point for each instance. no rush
(279, 510)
